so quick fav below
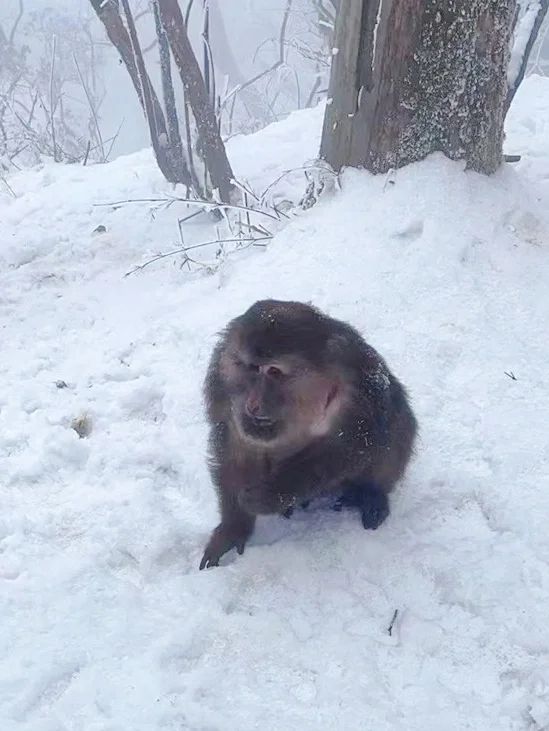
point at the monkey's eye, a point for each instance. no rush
(274, 372)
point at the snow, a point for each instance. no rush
(107, 625)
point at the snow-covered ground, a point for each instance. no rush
(106, 623)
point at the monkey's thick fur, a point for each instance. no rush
(300, 406)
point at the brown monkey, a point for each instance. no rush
(300, 406)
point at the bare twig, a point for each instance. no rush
(192, 202)
(511, 375)
(277, 64)
(183, 220)
(391, 626)
(313, 92)
(208, 64)
(188, 12)
(8, 186)
(294, 170)
(52, 110)
(92, 109)
(114, 138)
(252, 240)
(16, 23)
(245, 189)
(85, 160)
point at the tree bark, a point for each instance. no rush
(211, 144)
(176, 150)
(174, 170)
(411, 77)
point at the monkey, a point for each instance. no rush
(300, 406)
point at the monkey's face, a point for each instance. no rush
(278, 400)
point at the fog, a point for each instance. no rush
(270, 58)
(244, 39)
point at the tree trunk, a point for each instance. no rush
(174, 169)
(211, 144)
(109, 15)
(411, 77)
(176, 152)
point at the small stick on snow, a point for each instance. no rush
(511, 375)
(393, 620)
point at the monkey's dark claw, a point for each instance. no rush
(207, 563)
(222, 540)
(289, 512)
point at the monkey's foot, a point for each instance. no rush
(372, 502)
(374, 508)
(224, 538)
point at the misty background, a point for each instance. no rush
(59, 49)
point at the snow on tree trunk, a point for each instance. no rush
(411, 77)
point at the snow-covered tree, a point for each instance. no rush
(410, 77)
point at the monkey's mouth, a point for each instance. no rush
(263, 429)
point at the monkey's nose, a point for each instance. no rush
(252, 409)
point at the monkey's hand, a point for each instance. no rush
(225, 537)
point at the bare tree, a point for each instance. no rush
(174, 135)
(410, 77)
(127, 44)
(176, 163)
(209, 138)
(50, 98)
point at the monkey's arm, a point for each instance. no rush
(236, 525)
(234, 530)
